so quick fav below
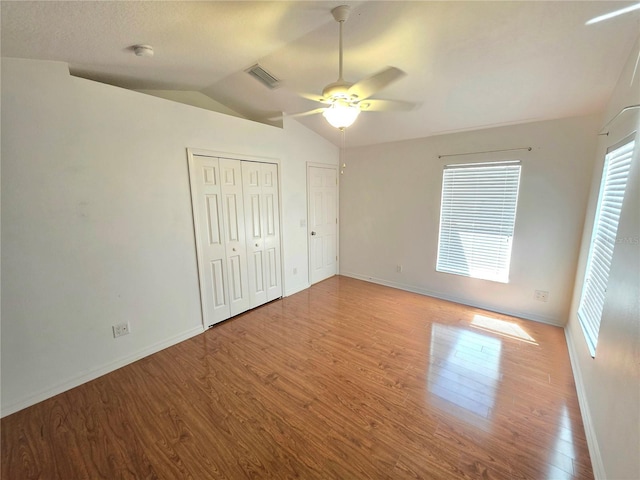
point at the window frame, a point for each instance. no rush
(478, 228)
(591, 303)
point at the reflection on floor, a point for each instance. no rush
(345, 380)
(464, 369)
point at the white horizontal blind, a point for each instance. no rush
(477, 218)
(603, 240)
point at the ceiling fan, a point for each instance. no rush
(346, 100)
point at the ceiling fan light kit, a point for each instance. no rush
(341, 115)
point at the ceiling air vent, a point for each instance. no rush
(263, 76)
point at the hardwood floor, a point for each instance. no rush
(346, 380)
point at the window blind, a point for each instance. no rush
(603, 240)
(477, 218)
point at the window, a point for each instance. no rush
(603, 239)
(477, 217)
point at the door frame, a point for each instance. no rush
(330, 166)
(191, 152)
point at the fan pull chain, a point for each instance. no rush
(341, 156)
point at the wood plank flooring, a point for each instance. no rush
(346, 380)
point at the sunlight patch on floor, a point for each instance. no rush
(502, 327)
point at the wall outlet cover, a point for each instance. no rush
(542, 295)
(121, 329)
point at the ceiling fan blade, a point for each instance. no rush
(315, 98)
(375, 105)
(369, 86)
(301, 114)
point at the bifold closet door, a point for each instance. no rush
(235, 240)
(262, 216)
(237, 225)
(212, 265)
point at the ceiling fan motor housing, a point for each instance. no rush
(338, 90)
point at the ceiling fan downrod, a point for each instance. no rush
(339, 88)
(340, 14)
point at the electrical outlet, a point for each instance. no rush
(121, 329)
(399, 268)
(542, 296)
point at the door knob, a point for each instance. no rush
(257, 244)
(313, 233)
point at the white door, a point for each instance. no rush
(207, 210)
(323, 221)
(271, 232)
(260, 187)
(235, 242)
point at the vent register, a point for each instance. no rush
(263, 76)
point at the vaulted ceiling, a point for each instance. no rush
(469, 65)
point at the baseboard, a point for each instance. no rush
(592, 439)
(295, 290)
(451, 298)
(97, 372)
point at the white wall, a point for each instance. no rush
(193, 98)
(390, 212)
(97, 226)
(609, 384)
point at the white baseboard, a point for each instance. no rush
(97, 372)
(296, 289)
(451, 298)
(592, 440)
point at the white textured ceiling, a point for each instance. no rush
(470, 65)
